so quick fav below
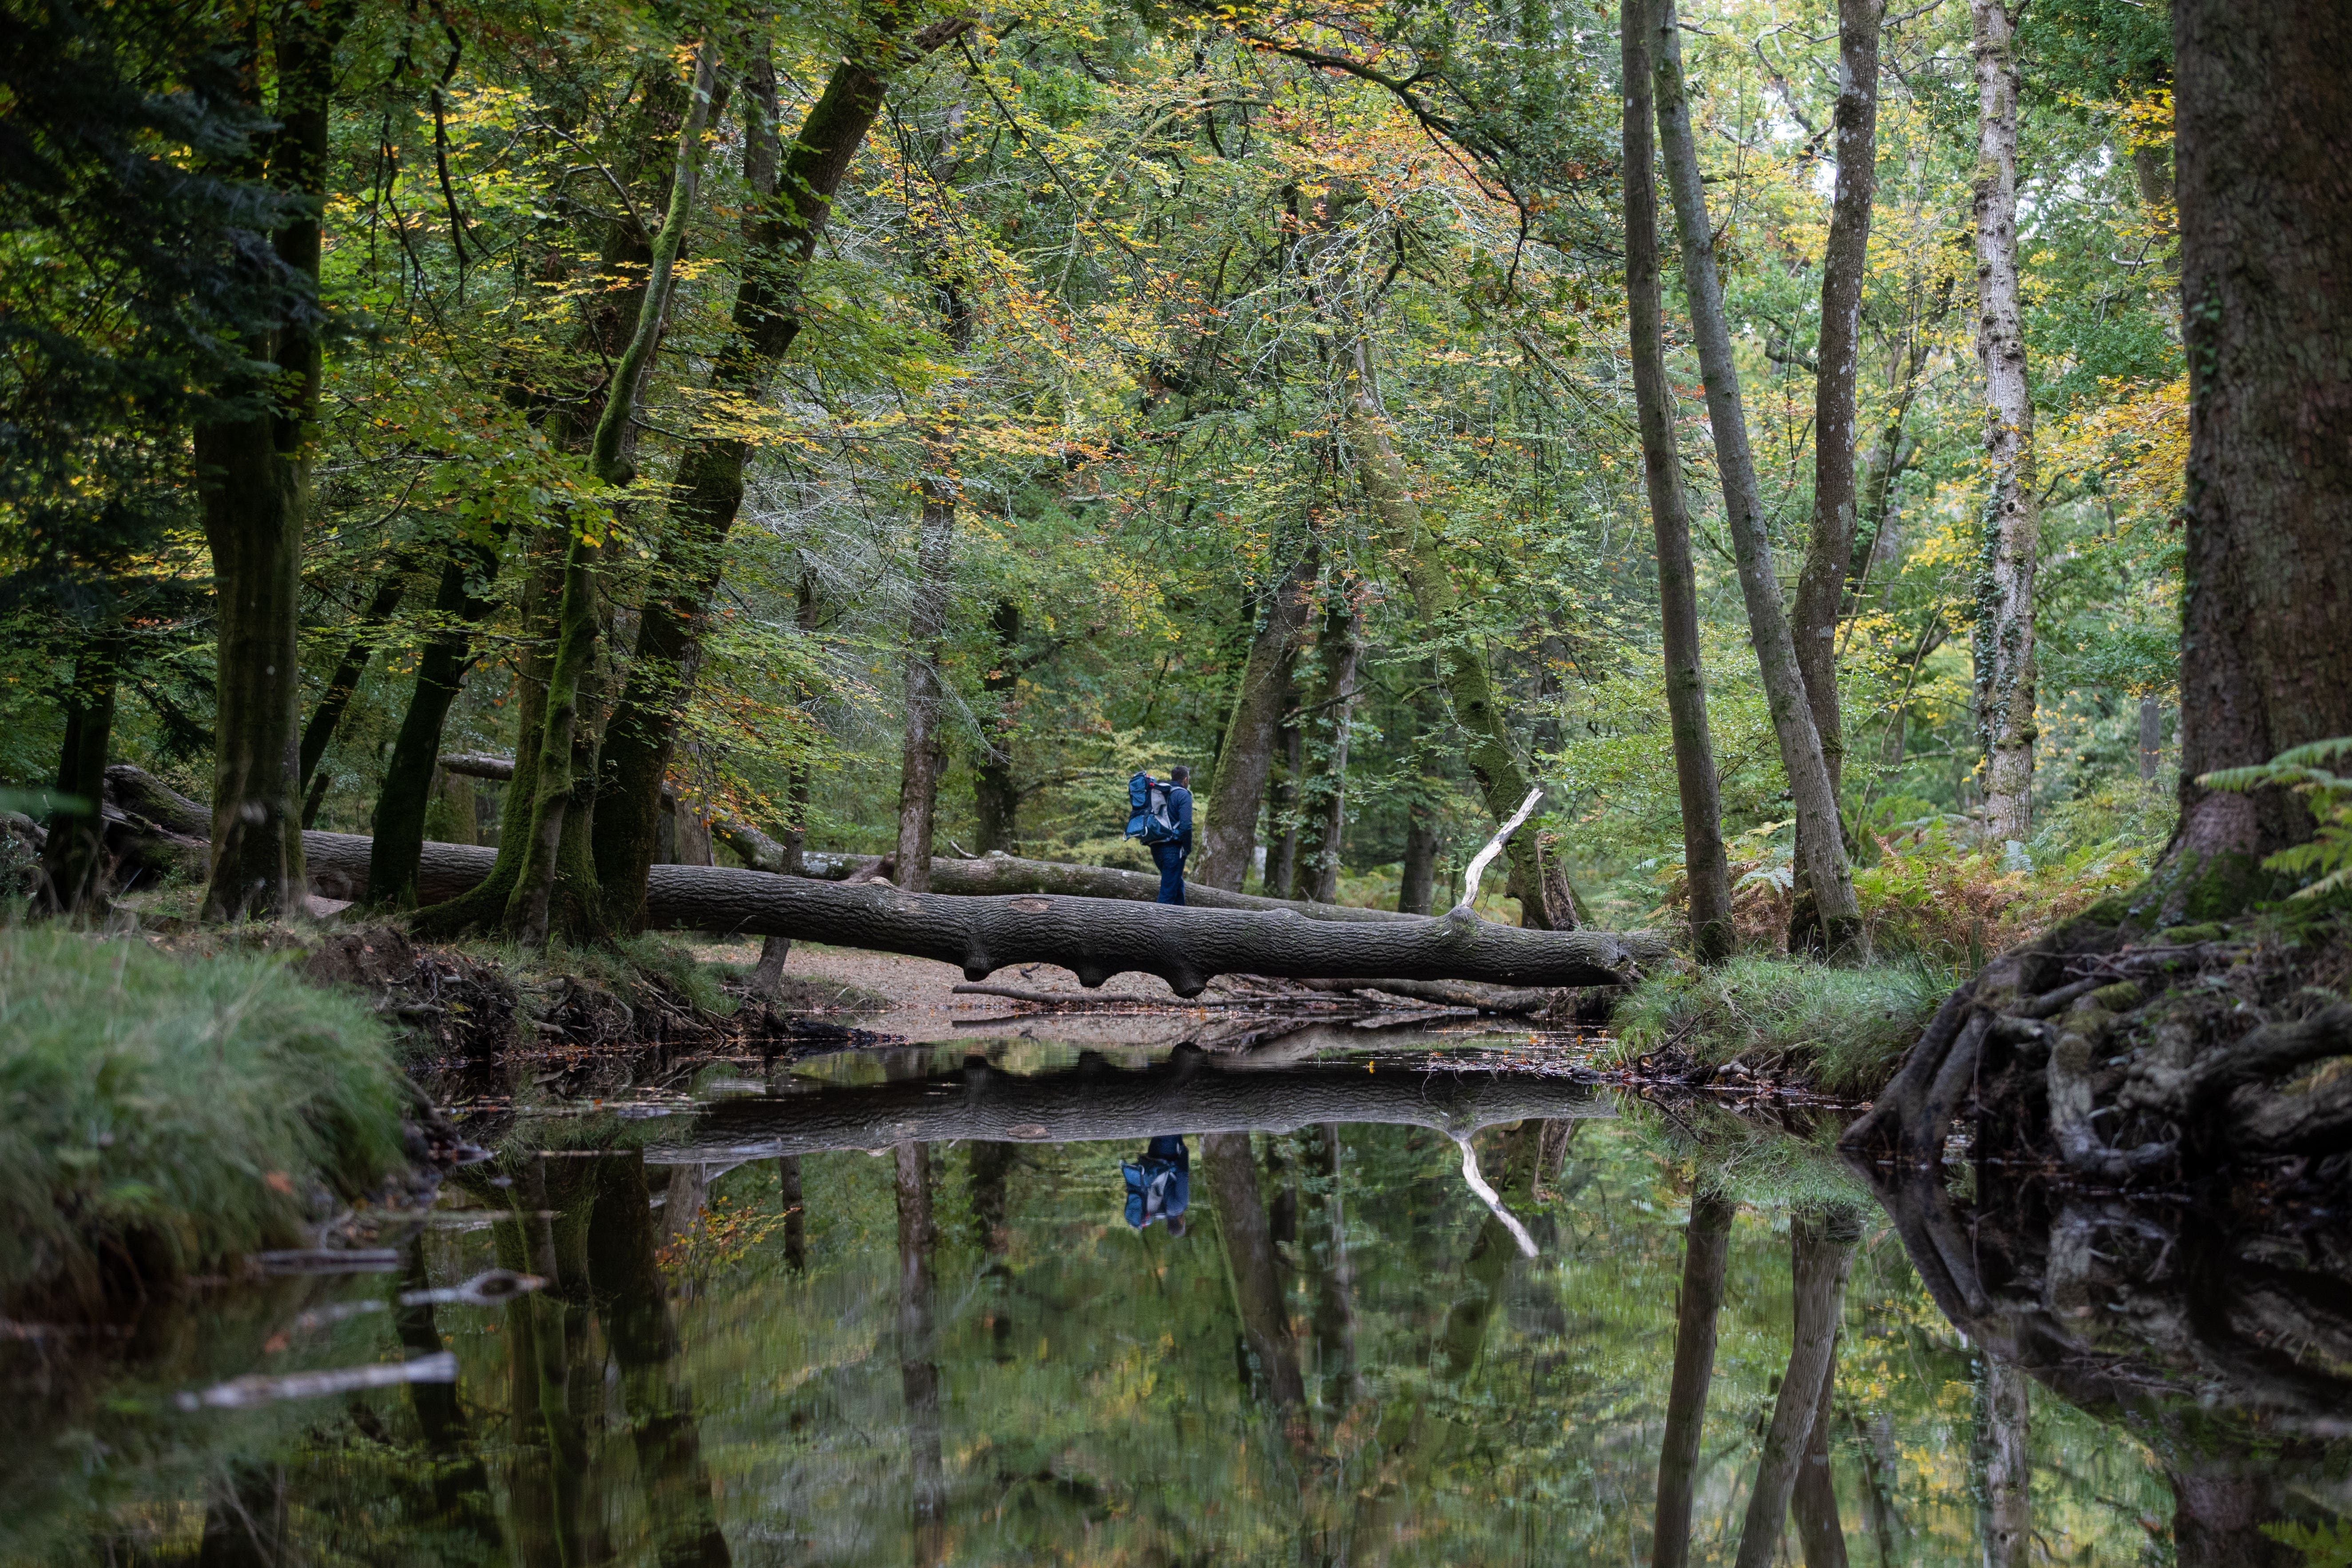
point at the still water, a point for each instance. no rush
(889, 1307)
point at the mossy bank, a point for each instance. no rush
(160, 1119)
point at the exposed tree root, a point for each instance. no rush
(2138, 1061)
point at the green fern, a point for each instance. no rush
(2325, 1545)
(2328, 796)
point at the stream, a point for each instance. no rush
(1420, 1307)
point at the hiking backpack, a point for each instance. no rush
(1148, 817)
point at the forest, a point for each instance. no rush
(890, 431)
(670, 668)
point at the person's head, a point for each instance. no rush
(1180, 774)
(1175, 1223)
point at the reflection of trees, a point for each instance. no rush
(1821, 1252)
(2205, 1334)
(919, 1349)
(460, 1482)
(1707, 1246)
(586, 1227)
(1231, 1172)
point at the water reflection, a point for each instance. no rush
(882, 1311)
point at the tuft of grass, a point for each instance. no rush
(1844, 1030)
(160, 1117)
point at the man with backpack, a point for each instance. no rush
(1161, 814)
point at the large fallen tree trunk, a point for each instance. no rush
(1093, 938)
(983, 874)
(1188, 1093)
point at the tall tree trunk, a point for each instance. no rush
(1705, 867)
(1338, 651)
(254, 483)
(1706, 1244)
(2004, 1465)
(1228, 829)
(73, 860)
(923, 744)
(2151, 738)
(564, 742)
(1784, 681)
(996, 801)
(1494, 760)
(1231, 1171)
(459, 607)
(1829, 556)
(2266, 288)
(391, 878)
(1417, 881)
(793, 201)
(1820, 1251)
(919, 1371)
(2012, 525)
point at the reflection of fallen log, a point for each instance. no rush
(986, 875)
(1185, 1094)
(1094, 937)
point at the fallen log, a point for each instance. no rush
(982, 876)
(1188, 1093)
(1094, 937)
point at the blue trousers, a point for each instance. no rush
(1169, 858)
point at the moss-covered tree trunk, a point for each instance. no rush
(795, 199)
(1768, 622)
(1829, 554)
(319, 730)
(2012, 518)
(566, 747)
(1228, 826)
(1707, 869)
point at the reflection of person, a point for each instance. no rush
(1159, 1184)
(1170, 857)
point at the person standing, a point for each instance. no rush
(1170, 856)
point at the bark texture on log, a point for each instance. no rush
(2012, 527)
(1188, 1093)
(1097, 938)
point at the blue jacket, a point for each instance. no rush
(1180, 807)
(1159, 1184)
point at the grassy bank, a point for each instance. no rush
(159, 1118)
(1840, 1030)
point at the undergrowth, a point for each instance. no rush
(1842, 1030)
(159, 1118)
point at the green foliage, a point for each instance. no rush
(1843, 1029)
(167, 1116)
(2327, 1545)
(2327, 856)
